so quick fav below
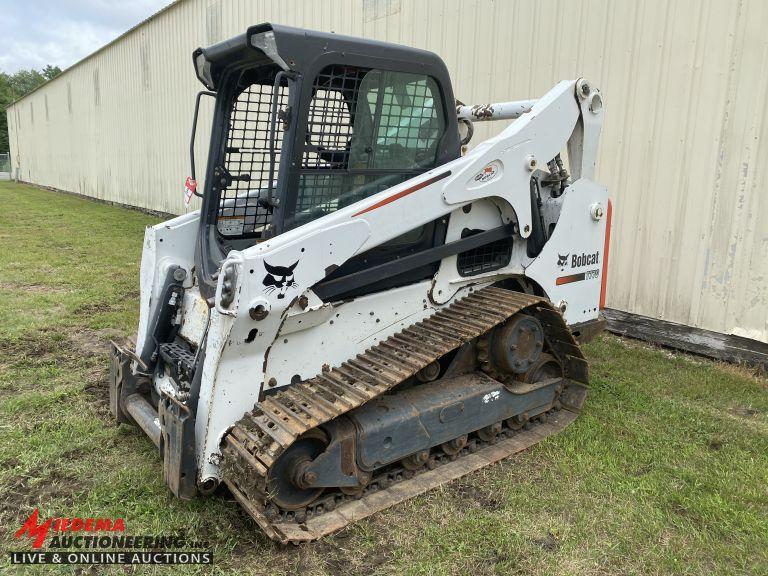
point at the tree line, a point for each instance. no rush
(13, 87)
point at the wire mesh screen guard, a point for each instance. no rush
(486, 258)
(408, 122)
(248, 153)
(367, 130)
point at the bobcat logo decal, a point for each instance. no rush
(279, 278)
(562, 260)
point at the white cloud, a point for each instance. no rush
(39, 32)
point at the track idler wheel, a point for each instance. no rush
(517, 344)
(286, 486)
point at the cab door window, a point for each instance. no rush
(367, 130)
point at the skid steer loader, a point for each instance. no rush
(362, 309)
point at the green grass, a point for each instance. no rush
(666, 471)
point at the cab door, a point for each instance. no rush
(367, 130)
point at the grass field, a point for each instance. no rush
(666, 471)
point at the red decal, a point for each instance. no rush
(405, 192)
(606, 247)
(568, 279)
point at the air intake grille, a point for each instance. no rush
(491, 256)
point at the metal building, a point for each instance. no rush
(684, 150)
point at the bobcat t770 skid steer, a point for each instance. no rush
(362, 309)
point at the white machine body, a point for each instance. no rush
(277, 333)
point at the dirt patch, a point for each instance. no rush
(97, 387)
(642, 471)
(342, 558)
(86, 347)
(33, 288)
(87, 310)
(472, 496)
(97, 383)
(496, 556)
(47, 345)
(34, 488)
(9, 463)
(550, 542)
(337, 554)
(744, 412)
(715, 444)
(40, 346)
(93, 342)
(8, 389)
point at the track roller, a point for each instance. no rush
(489, 433)
(454, 446)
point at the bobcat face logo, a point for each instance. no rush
(562, 260)
(279, 278)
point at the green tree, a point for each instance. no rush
(5, 99)
(13, 87)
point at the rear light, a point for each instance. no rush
(606, 248)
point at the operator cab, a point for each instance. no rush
(307, 123)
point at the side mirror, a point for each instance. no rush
(192, 139)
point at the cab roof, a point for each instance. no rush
(296, 49)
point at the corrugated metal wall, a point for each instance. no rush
(684, 151)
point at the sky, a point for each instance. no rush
(34, 33)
